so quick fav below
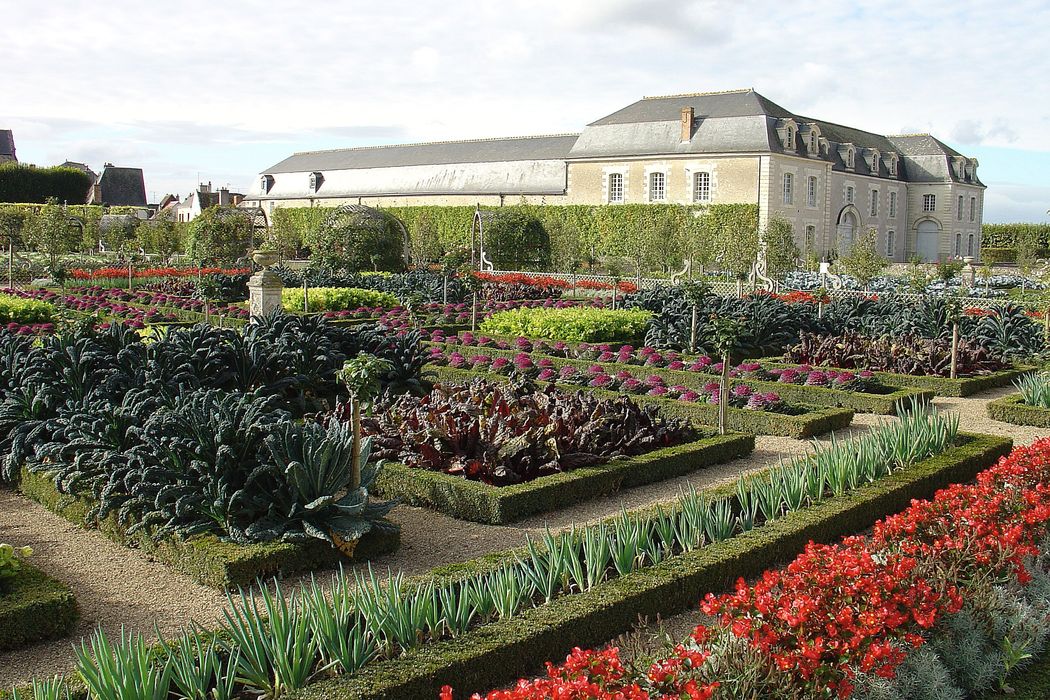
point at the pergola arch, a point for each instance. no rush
(254, 219)
(361, 217)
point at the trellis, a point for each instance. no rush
(359, 217)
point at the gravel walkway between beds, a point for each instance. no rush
(117, 587)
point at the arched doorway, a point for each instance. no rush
(927, 241)
(845, 232)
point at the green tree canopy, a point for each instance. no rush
(863, 260)
(53, 231)
(219, 234)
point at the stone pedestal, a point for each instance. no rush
(264, 287)
(969, 273)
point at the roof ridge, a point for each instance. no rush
(917, 133)
(698, 94)
(435, 143)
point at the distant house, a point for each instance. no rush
(7, 146)
(202, 198)
(82, 167)
(117, 187)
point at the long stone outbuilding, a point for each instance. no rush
(832, 182)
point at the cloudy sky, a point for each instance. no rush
(221, 90)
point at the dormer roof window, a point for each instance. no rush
(891, 164)
(787, 130)
(316, 180)
(874, 163)
(265, 183)
(813, 140)
(848, 153)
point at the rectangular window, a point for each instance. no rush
(701, 187)
(789, 194)
(958, 244)
(615, 187)
(893, 204)
(889, 244)
(811, 191)
(874, 202)
(973, 209)
(969, 244)
(929, 202)
(811, 239)
(849, 195)
(657, 187)
(958, 214)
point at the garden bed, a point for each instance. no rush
(490, 655)
(34, 607)
(207, 559)
(480, 502)
(805, 422)
(886, 400)
(941, 386)
(1012, 409)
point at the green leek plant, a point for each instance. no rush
(125, 670)
(1035, 389)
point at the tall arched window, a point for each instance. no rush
(973, 208)
(890, 235)
(970, 244)
(958, 244)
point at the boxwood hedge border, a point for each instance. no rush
(35, 607)
(207, 559)
(495, 653)
(1013, 409)
(890, 403)
(941, 386)
(812, 422)
(498, 505)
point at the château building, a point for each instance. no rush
(832, 182)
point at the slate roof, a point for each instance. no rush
(435, 153)
(7, 145)
(82, 167)
(706, 105)
(122, 187)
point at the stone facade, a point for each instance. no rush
(832, 183)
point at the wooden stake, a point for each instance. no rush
(474, 312)
(723, 396)
(355, 468)
(692, 332)
(955, 350)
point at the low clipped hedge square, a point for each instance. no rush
(1013, 409)
(207, 559)
(810, 422)
(497, 505)
(33, 608)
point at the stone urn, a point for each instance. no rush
(265, 258)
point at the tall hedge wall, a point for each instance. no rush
(659, 236)
(27, 183)
(1005, 235)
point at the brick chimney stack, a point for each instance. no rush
(687, 123)
(224, 197)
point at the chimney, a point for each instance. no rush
(96, 194)
(224, 197)
(687, 123)
(205, 189)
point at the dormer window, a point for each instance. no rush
(265, 183)
(891, 164)
(316, 180)
(849, 155)
(875, 163)
(787, 130)
(790, 138)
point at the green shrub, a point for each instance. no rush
(17, 310)
(998, 255)
(516, 241)
(11, 561)
(336, 298)
(351, 241)
(577, 324)
(27, 183)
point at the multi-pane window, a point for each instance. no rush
(959, 211)
(315, 181)
(893, 204)
(973, 209)
(701, 187)
(850, 194)
(891, 165)
(615, 187)
(812, 142)
(849, 158)
(929, 202)
(958, 244)
(969, 244)
(789, 188)
(875, 164)
(889, 244)
(811, 191)
(874, 202)
(657, 187)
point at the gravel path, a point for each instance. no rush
(117, 587)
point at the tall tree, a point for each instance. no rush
(782, 252)
(53, 231)
(863, 260)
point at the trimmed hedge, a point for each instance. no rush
(941, 386)
(207, 559)
(575, 323)
(887, 404)
(994, 256)
(334, 298)
(34, 607)
(497, 505)
(810, 422)
(1005, 235)
(493, 654)
(1013, 409)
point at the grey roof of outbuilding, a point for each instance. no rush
(921, 145)
(436, 153)
(122, 187)
(7, 143)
